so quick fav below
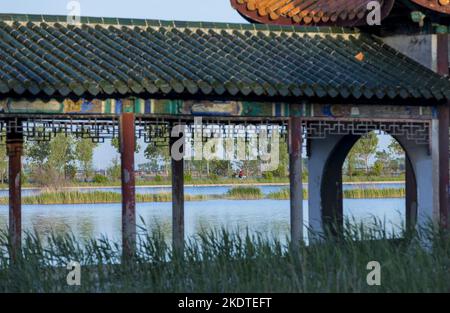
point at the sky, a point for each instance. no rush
(184, 10)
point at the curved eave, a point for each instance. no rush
(254, 16)
(434, 5)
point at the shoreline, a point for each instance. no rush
(211, 185)
(244, 193)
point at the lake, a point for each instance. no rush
(207, 190)
(268, 217)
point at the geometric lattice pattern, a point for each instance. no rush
(158, 131)
(417, 131)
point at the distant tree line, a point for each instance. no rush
(364, 159)
(66, 159)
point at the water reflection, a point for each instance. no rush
(268, 217)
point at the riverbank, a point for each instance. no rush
(348, 194)
(216, 183)
(236, 193)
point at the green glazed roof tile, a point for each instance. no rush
(98, 58)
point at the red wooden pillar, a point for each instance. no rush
(443, 116)
(295, 179)
(127, 147)
(14, 148)
(176, 152)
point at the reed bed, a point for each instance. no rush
(374, 193)
(244, 193)
(236, 193)
(77, 197)
(221, 261)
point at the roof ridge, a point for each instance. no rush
(89, 20)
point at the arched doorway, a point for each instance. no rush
(326, 155)
(331, 189)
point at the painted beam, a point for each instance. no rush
(127, 148)
(207, 108)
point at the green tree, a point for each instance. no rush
(37, 152)
(397, 155)
(51, 162)
(220, 168)
(283, 165)
(84, 151)
(365, 148)
(395, 148)
(114, 171)
(116, 144)
(158, 154)
(62, 152)
(350, 162)
(382, 162)
(378, 168)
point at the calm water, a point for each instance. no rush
(208, 190)
(269, 217)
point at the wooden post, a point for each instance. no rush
(14, 149)
(176, 152)
(443, 116)
(127, 147)
(295, 179)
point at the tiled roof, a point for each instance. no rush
(43, 56)
(307, 12)
(442, 6)
(328, 12)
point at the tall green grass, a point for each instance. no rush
(244, 193)
(77, 197)
(235, 193)
(374, 193)
(220, 261)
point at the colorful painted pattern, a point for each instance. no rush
(213, 108)
(154, 107)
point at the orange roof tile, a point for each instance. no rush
(324, 12)
(442, 6)
(309, 12)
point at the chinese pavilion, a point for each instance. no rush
(302, 65)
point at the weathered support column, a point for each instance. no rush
(443, 116)
(411, 195)
(443, 165)
(295, 179)
(177, 157)
(127, 148)
(14, 149)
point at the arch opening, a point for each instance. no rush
(376, 156)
